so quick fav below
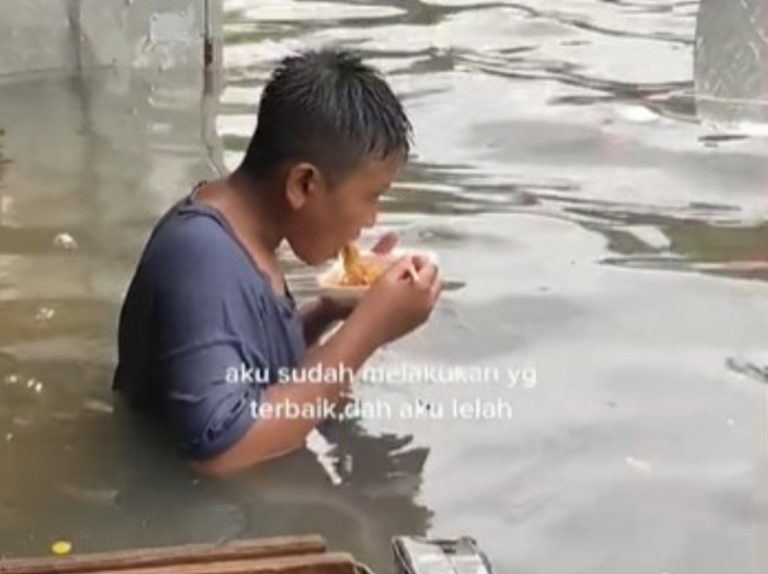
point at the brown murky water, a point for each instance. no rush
(606, 251)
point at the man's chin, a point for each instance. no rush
(315, 259)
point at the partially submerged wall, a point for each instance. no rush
(68, 35)
(101, 99)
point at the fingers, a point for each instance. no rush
(386, 243)
(420, 261)
(401, 268)
(425, 278)
(427, 275)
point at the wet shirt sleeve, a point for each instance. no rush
(199, 301)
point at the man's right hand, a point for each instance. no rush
(395, 305)
(402, 299)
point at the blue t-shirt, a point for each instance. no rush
(199, 328)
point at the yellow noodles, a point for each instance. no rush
(357, 273)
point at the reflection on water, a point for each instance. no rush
(595, 232)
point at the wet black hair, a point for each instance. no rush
(328, 108)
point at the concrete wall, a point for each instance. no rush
(67, 35)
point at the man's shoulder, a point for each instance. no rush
(192, 251)
(189, 240)
(189, 232)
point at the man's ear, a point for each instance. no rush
(304, 180)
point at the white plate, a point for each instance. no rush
(328, 281)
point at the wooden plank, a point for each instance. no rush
(325, 563)
(157, 557)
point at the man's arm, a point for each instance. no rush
(320, 315)
(272, 436)
(395, 306)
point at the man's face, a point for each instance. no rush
(323, 219)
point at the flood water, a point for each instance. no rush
(605, 253)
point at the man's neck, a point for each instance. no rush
(254, 219)
(245, 205)
(259, 211)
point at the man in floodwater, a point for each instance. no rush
(208, 298)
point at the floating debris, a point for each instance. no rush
(65, 241)
(637, 114)
(61, 547)
(641, 466)
(11, 379)
(8, 437)
(66, 416)
(38, 387)
(106, 496)
(98, 406)
(44, 314)
(21, 421)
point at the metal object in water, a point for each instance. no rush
(423, 556)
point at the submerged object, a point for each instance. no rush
(61, 547)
